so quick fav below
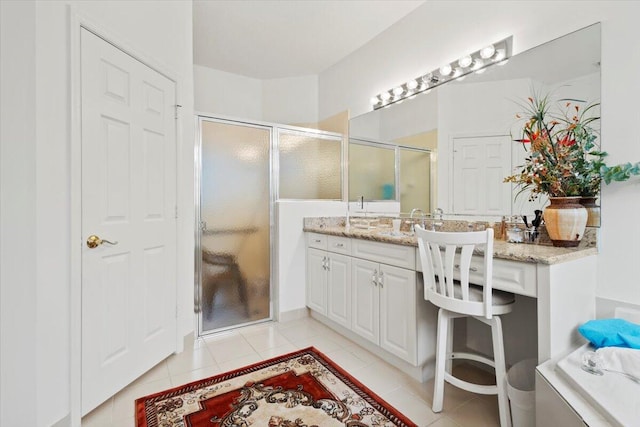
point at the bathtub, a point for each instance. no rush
(616, 397)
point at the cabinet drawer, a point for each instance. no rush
(341, 245)
(318, 241)
(385, 253)
(511, 276)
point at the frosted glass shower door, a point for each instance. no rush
(415, 179)
(372, 171)
(235, 213)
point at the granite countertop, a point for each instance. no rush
(538, 253)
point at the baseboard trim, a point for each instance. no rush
(297, 314)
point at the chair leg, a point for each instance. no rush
(450, 333)
(441, 360)
(501, 374)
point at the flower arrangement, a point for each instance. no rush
(564, 157)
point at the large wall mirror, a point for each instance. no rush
(466, 126)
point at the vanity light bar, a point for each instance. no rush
(476, 62)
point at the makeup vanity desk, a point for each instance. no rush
(563, 281)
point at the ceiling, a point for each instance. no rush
(287, 38)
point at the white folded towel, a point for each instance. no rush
(621, 359)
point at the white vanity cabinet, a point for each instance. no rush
(365, 300)
(373, 294)
(329, 277)
(317, 280)
(384, 307)
(370, 289)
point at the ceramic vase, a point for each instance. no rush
(593, 211)
(565, 219)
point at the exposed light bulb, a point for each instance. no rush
(465, 61)
(500, 55)
(457, 70)
(487, 52)
(477, 64)
(445, 70)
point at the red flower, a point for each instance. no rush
(565, 141)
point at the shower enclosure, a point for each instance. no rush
(235, 224)
(241, 170)
(387, 171)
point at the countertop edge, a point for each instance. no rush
(538, 254)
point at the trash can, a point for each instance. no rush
(521, 380)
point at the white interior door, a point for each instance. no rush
(479, 167)
(129, 199)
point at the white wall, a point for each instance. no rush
(44, 177)
(18, 324)
(440, 31)
(220, 93)
(475, 109)
(411, 117)
(292, 100)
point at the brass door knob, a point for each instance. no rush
(94, 241)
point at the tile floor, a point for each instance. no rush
(206, 357)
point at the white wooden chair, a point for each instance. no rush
(446, 265)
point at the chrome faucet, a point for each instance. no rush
(422, 215)
(437, 219)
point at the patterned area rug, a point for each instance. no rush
(300, 389)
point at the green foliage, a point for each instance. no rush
(564, 155)
(619, 172)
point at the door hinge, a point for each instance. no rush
(176, 212)
(176, 108)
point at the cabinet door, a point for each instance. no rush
(398, 329)
(316, 280)
(365, 299)
(339, 289)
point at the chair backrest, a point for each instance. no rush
(446, 261)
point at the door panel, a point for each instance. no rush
(365, 299)
(339, 289)
(316, 281)
(479, 167)
(129, 199)
(398, 312)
